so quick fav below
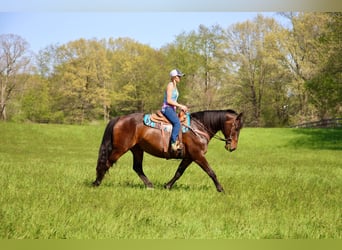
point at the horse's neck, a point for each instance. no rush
(207, 130)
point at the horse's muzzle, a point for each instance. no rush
(229, 148)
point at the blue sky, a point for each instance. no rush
(156, 29)
(170, 5)
(154, 22)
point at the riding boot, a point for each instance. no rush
(176, 146)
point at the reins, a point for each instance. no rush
(209, 132)
(198, 132)
(223, 139)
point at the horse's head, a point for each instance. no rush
(231, 131)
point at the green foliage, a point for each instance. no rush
(201, 55)
(82, 74)
(329, 79)
(260, 72)
(312, 45)
(280, 183)
(138, 76)
(276, 74)
(318, 88)
(33, 110)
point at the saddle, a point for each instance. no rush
(159, 117)
(159, 121)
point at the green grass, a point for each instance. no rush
(280, 183)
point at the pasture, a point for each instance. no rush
(280, 184)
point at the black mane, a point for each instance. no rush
(213, 120)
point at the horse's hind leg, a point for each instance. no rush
(138, 155)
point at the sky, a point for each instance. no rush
(153, 22)
(157, 29)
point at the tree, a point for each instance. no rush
(325, 87)
(137, 76)
(14, 61)
(311, 46)
(202, 56)
(81, 76)
(36, 101)
(258, 66)
(45, 61)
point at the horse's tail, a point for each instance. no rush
(107, 142)
(106, 148)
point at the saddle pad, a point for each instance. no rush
(152, 124)
(166, 127)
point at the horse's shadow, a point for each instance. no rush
(141, 186)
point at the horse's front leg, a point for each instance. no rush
(182, 166)
(203, 163)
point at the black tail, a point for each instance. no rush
(107, 142)
(106, 148)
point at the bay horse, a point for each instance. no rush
(128, 132)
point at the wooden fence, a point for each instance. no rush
(324, 123)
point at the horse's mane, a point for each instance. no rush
(212, 119)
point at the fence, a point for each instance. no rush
(324, 123)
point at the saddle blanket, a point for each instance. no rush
(165, 127)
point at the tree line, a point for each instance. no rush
(276, 74)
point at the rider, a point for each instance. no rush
(170, 104)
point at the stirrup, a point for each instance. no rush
(176, 146)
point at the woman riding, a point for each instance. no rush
(170, 105)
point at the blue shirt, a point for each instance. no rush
(174, 97)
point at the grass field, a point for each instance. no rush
(280, 183)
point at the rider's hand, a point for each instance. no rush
(184, 108)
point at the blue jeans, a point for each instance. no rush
(171, 114)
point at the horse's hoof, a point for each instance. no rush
(96, 183)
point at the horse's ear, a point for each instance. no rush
(239, 116)
(238, 119)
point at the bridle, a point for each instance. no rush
(227, 140)
(209, 134)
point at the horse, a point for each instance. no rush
(128, 132)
